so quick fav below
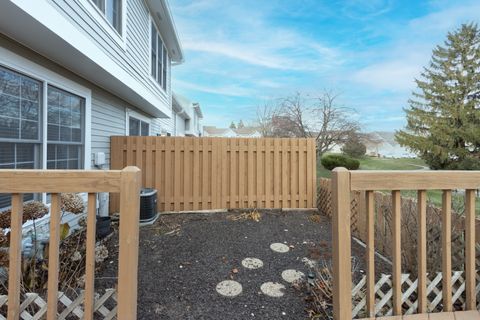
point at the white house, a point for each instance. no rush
(187, 117)
(75, 72)
(246, 132)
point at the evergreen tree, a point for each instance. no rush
(240, 125)
(232, 125)
(443, 120)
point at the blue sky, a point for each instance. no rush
(241, 54)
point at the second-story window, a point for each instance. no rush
(158, 58)
(112, 9)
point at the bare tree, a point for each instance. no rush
(302, 116)
(266, 115)
(334, 123)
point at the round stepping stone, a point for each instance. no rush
(252, 263)
(273, 289)
(279, 247)
(229, 288)
(291, 275)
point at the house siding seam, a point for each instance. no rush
(134, 59)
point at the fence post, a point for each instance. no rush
(128, 243)
(342, 273)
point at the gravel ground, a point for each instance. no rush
(184, 256)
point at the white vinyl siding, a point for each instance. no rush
(134, 56)
(108, 119)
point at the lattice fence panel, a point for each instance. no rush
(384, 292)
(33, 306)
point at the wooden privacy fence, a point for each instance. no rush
(221, 173)
(345, 182)
(127, 184)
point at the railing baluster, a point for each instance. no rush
(470, 249)
(14, 272)
(447, 250)
(397, 253)
(370, 254)
(90, 256)
(422, 251)
(53, 257)
(342, 269)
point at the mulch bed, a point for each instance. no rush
(183, 257)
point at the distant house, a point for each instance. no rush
(383, 144)
(245, 132)
(187, 117)
(75, 72)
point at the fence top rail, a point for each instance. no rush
(55, 181)
(413, 180)
(201, 138)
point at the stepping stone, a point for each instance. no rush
(252, 263)
(229, 288)
(291, 275)
(279, 247)
(273, 289)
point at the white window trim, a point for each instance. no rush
(150, 22)
(132, 113)
(100, 17)
(18, 63)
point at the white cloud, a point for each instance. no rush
(393, 75)
(228, 90)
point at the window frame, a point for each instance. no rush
(98, 15)
(163, 80)
(135, 115)
(28, 68)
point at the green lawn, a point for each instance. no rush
(370, 163)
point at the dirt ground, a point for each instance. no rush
(183, 257)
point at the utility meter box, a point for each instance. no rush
(99, 158)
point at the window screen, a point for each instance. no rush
(65, 126)
(138, 127)
(20, 98)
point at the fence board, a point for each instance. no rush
(221, 173)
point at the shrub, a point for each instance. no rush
(354, 148)
(331, 161)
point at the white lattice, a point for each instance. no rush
(34, 307)
(384, 292)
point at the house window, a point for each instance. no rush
(65, 130)
(159, 57)
(112, 9)
(137, 127)
(20, 98)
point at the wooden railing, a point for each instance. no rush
(125, 182)
(344, 182)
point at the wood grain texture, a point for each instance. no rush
(370, 254)
(342, 281)
(128, 243)
(15, 257)
(397, 253)
(447, 250)
(422, 251)
(53, 257)
(414, 180)
(90, 257)
(52, 181)
(221, 173)
(470, 274)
